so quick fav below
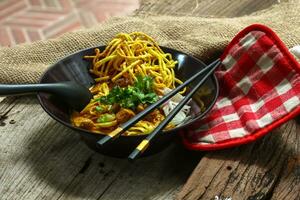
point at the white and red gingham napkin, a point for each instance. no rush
(259, 90)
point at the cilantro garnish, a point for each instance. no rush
(132, 96)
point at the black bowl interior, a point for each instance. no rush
(75, 68)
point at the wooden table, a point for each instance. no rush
(41, 159)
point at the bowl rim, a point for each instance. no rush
(173, 130)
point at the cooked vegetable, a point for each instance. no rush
(99, 108)
(124, 115)
(106, 118)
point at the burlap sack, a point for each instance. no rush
(202, 37)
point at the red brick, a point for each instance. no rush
(12, 9)
(4, 37)
(25, 23)
(68, 28)
(39, 15)
(18, 35)
(8, 3)
(35, 2)
(36, 19)
(65, 4)
(33, 35)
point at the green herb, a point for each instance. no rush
(144, 84)
(132, 96)
(106, 118)
(99, 108)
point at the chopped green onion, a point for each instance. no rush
(106, 118)
(99, 109)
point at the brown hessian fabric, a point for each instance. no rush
(202, 37)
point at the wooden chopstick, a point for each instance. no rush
(125, 126)
(145, 143)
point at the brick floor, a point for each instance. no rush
(30, 20)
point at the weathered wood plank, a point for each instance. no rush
(247, 172)
(289, 183)
(220, 8)
(41, 159)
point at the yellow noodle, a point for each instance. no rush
(125, 57)
(104, 78)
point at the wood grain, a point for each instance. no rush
(219, 8)
(289, 183)
(41, 159)
(249, 172)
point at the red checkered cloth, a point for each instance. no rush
(259, 90)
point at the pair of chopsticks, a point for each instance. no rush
(206, 72)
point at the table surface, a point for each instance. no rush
(41, 159)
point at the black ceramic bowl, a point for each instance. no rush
(75, 68)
